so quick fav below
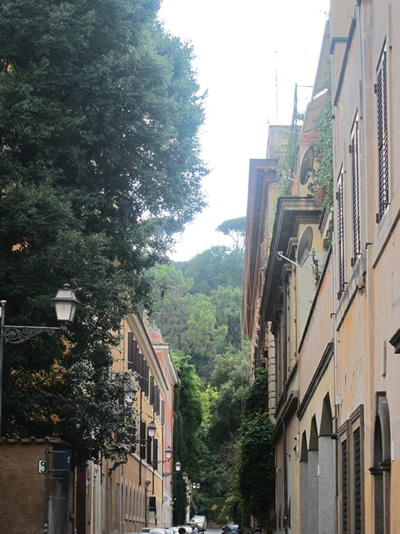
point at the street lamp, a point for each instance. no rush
(65, 303)
(151, 430)
(177, 469)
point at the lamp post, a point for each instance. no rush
(65, 303)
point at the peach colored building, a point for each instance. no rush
(122, 499)
(322, 291)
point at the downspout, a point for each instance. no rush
(363, 170)
(337, 399)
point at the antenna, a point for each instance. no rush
(276, 86)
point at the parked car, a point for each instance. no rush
(188, 529)
(200, 521)
(231, 529)
(145, 530)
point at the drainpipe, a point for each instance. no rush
(337, 399)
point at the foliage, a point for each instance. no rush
(99, 165)
(197, 304)
(172, 304)
(231, 377)
(322, 185)
(187, 421)
(227, 302)
(235, 229)
(255, 468)
(217, 266)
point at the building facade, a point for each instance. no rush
(322, 292)
(122, 498)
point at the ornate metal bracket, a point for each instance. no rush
(20, 334)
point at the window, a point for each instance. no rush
(351, 473)
(383, 142)
(357, 480)
(345, 487)
(131, 352)
(340, 218)
(142, 443)
(355, 174)
(155, 454)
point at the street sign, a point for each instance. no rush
(42, 466)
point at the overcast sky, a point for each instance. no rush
(243, 49)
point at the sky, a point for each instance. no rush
(249, 54)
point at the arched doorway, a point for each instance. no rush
(326, 459)
(313, 478)
(382, 465)
(304, 485)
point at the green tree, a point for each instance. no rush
(256, 466)
(217, 266)
(230, 376)
(99, 165)
(188, 448)
(203, 336)
(227, 302)
(235, 229)
(172, 304)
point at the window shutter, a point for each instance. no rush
(382, 128)
(357, 481)
(340, 214)
(149, 446)
(146, 382)
(135, 356)
(155, 454)
(142, 444)
(355, 171)
(141, 371)
(162, 412)
(157, 400)
(345, 493)
(152, 390)
(130, 351)
(152, 504)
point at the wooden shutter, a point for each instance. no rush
(340, 216)
(152, 504)
(130, 351)
(345, 488)
(382, 129)
(149, 447)
(162, 412)
(146, 381)
(152, 390)
(157, 400)
(355, 171)
(357, 481)
(155, 454)
(135, 357)
(142, 444)
(141, 371)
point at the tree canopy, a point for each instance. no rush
(235, 229)
(99, 164)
